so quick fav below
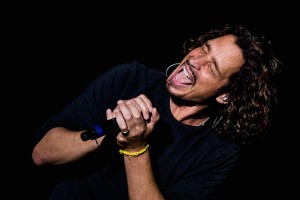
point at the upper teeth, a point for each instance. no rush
(185, 72)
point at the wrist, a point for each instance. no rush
(134, 153)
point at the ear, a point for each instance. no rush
(222, 99)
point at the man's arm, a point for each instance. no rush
(138, 117)
(141, 183)
(60, 146)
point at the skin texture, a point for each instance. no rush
(195, 87)
(210, 67)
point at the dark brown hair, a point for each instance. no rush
(252, 91)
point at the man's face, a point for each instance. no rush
(205, 69)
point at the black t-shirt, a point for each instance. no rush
(188, 162)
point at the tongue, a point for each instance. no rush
(182, 78)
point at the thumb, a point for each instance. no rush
(154, 117)
(109, 114)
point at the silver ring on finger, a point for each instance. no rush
(125, 133)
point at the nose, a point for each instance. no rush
(197, 61)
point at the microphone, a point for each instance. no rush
(107, 127)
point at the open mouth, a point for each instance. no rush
(185, 76)
(186, 73)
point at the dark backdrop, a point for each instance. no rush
(55, 52)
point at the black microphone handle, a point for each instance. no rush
(104, 128)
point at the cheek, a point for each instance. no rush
(202, 94)
(206, 84)
(205, 78)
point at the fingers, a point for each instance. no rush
(145, 106)
(136, 115)
(120, 119)
(154, 117)
(129, 117)
(109, 114)
(135, 107)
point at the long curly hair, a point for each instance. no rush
(252, 91)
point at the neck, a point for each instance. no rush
(203, 122)
(193, 115)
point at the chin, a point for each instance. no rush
(173, 92)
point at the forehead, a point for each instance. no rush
(224, 44)
(227, 54)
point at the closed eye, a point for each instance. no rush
(213, 67)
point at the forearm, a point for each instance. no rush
(141, 183)
(60, 146)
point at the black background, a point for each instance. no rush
(54, 51)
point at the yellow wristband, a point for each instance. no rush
(137, 153)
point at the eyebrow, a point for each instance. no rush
(214, 60)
